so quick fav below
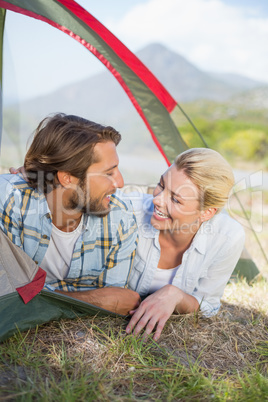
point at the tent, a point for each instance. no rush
(152, 101)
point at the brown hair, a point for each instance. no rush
(64, 143)
(210, 172)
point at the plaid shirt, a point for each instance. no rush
(103, 255)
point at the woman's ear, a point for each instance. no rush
(208, 214)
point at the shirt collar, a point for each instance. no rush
(43, 205)
(148, 231)
(201, 238)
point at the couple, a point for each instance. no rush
(69, 218)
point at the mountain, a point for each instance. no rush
(101, 98)
(186, 82)
(255, 99)
(238, 81)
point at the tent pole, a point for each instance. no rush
(2, 25)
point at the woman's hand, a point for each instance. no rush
(21, 170)
(13, 170)
(154, 311)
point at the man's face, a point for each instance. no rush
(102, 179)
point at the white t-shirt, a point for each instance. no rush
(162, 277)
(58, 257)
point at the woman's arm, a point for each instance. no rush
(155, 310)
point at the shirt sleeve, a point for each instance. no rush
(10, 217)
(211, 287)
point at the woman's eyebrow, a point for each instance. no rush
(172, 192)
(177, 195)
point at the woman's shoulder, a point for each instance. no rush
(224, 224)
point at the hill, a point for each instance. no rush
(100, 98)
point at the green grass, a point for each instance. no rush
(224, 358)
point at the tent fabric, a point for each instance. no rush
(23, 303)
(2, 24)
(17, 269)
(47, 306)
(29, 291)
(245, 268)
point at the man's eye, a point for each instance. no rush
(160, 185)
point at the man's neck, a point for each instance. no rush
(64, 219)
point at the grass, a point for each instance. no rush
(224, 358)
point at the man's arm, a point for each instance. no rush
(117, 300)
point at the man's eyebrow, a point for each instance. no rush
(111, 168)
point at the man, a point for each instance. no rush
(66, 215)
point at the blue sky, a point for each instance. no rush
(215, 35)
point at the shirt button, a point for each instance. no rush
(44, 236)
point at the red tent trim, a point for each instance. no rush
(124, 53)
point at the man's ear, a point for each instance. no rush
(64, 178)
(208, 214)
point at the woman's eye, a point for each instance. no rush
(160, 185)
(175, 200)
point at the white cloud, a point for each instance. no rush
(209, 33)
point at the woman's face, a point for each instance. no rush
(176, 203)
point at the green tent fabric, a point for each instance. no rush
(18, 270)
(159, 111)
(46, 306)
(245, 268)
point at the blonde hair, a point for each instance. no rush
(210, 172)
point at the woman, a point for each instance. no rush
(187, 247)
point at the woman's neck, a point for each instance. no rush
(176, 239)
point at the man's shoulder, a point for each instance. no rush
(14, 180)
(15, 185)
(119, 201)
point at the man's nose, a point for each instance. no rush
(118, 180)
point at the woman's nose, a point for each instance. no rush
(159, 198)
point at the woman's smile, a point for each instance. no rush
(160, 215)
